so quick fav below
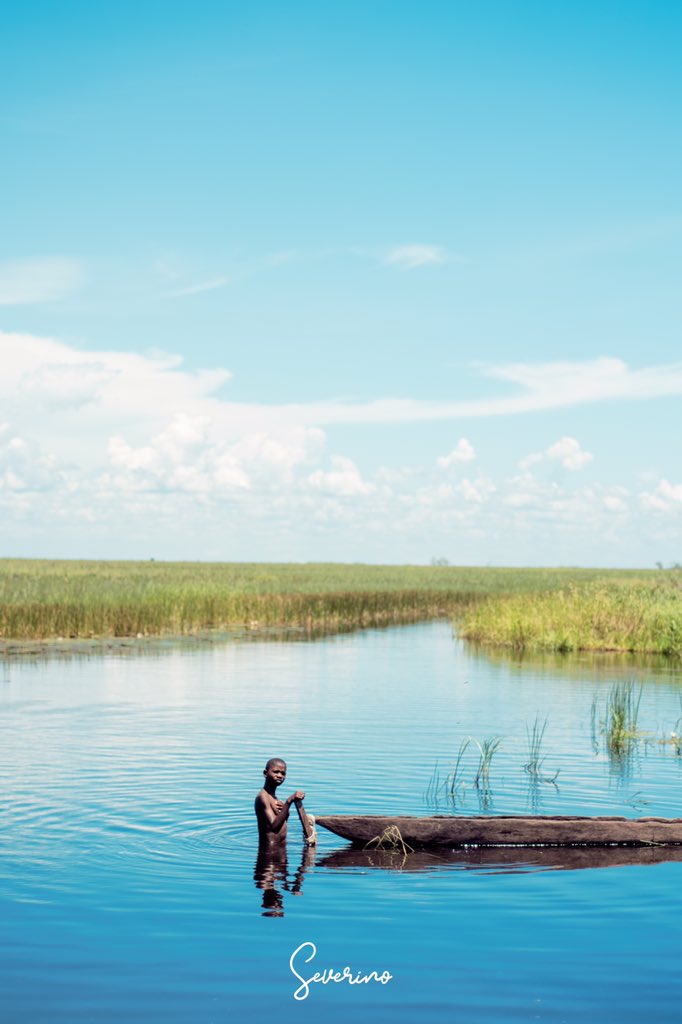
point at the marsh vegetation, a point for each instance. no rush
(637, 613)
(539, 609)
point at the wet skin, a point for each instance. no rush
(271, 813)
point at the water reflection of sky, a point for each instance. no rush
(130, 883)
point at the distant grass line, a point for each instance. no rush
(642, 614)
(42, 599)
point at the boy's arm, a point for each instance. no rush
(275, 821)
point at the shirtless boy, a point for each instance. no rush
(272, 813)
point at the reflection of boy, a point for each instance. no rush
(272, 813)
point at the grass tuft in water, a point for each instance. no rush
(622, 711)
(487, 750)
(456, 786)
(536, 760)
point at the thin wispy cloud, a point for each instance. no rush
(147, 387)
(410, 256)
(537, 387)
(210, 285)
(27, 282)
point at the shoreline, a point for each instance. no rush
(15, 649)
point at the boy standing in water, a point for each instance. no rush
(271, 813)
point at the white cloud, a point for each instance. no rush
(476, 491)
(613, 503)
(148, 389)
(25, 282)
(567, 451)
(411, 256)
(79, 399)
(462, 452)
(530, 460)
(279, 456)
(184, 457)
(343, 480)
(540, 387)
(133, 444)
(25, 467)
(666, 497)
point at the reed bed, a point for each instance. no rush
(42, 599)
(641, 614)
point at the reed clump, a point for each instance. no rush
(534, 766)
(640, 614)
(453, 787)
(619, 724)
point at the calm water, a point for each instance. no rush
(129, 883)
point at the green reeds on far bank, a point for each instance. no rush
(635, 615)
(41, 599)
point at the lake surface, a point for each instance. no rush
(129, 883)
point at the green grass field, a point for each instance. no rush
(559, 609)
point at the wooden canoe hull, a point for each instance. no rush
(509, 830)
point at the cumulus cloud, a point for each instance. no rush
(410, 256)
(343, 480)
(24, 282)
(531, 503)
(666, 497)
(24, 466)
(476, 491)
(184, 457)
(614, 503)
(135, 442)
(462, 452)
(79, 399)
(567, 451)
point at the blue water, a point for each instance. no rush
(128, 852)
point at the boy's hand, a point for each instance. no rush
(298, 795)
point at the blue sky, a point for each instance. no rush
(374, 282)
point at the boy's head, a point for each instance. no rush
(275, 771)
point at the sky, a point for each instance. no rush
(365, 282)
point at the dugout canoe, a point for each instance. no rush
(506, 830)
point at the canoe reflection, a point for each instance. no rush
(271, 874)
(504, 859)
